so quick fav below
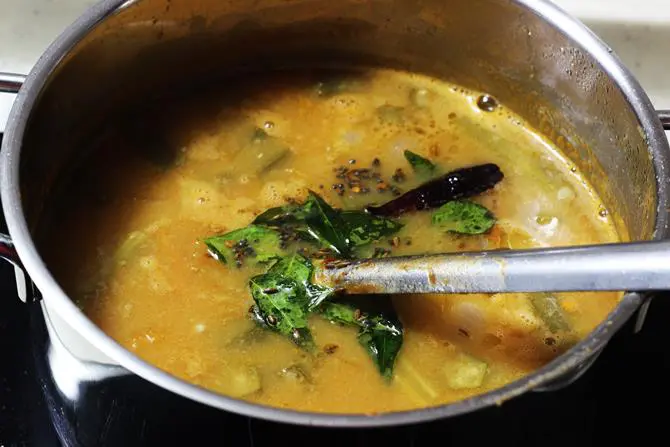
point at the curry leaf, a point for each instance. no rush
(316, 294)
(380, 330)
(257, 242)
(288, 219)
(364, 228)
(464, 216)
(284, 215)
(383, 339)
(337, 230)
(296, 267)
(339, 313)
(326, 225)
(300, 269)
(284, 296)
(420, 164)
(282, 304)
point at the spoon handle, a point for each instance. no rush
(633, 266)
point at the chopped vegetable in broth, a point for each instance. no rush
(198, 239)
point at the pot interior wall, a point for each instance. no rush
(150, 47)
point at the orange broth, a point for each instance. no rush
(143, 274)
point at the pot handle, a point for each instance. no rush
(664, 116)
(24, 287)
(11, 83)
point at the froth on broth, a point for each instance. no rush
(168, 175)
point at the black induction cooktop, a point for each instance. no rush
(622, 395)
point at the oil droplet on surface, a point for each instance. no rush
(487, 103)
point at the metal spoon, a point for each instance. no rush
(634, 266)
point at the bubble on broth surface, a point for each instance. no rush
(487, 103)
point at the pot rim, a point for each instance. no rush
(58, 300)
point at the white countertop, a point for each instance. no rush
(638, 31)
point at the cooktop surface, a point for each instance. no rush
(618, 396)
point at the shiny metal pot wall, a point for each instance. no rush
(534, 58)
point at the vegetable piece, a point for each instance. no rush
(130, 245)
(507, 236)
(380, 331)
(364, 228)
(281, 305)
(458, 184)
(243, 382)
(326, 225)
(296, 373)
(464, 217)
(137, 241)
(465, 372)
(420, 97)
(254, 335)
(390, 114)
(414, 383)
(420, 165)
(549, 310)
(339, 84)
(262, 152)
(262, 244)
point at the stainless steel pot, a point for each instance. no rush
(533, 57)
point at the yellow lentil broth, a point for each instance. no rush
(143, 275)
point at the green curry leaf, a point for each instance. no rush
(463, 216)
(296, 267)
(364, 228)
(382, 338)
(282, 304)
(284, 296)
(289, 214)
(300, 269)
(419, 164)
(380, 331)
(257, 242)
(339, 313)
(316, 220)
(316, 294)
(326, 225)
